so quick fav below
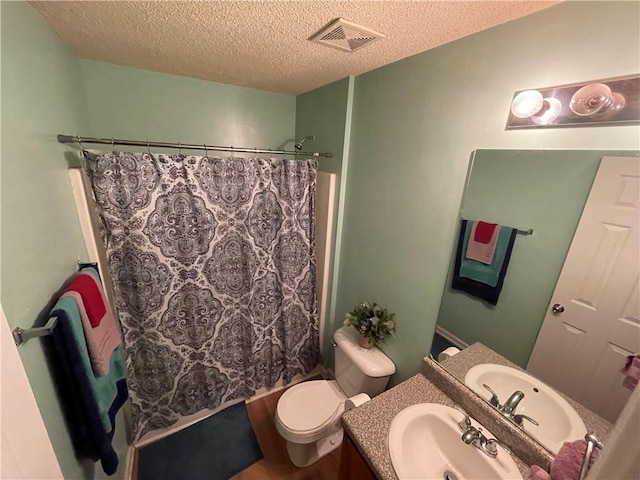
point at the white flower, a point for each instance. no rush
(376, 308)
(346, 322)
(363, 328)
(391, 324)
(374, 320)
(349, 316)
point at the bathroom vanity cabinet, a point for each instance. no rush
(365, 451)
(352, 465)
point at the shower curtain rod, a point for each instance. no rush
(186, 146)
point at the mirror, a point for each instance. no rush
(543, 190)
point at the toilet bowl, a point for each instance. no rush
(308, 418)
(308, 415)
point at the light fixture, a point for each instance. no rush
(604, 102)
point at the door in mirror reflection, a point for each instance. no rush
(593, 320)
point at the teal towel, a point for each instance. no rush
(104, 388)
(480, 272)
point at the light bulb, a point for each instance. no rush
(551, 111)
(527, 103)
(591, 99)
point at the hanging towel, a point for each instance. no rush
(482, 281)
(99, 398)
(479, 250)
(91, 295)
(483, 231)
(538, 473)
(100, 329)
(487, 274)
(631, 370)
(567, 464)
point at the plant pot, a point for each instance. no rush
(366, 342)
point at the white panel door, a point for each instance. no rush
(580, 350)
(26, 451)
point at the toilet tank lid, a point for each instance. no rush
(371, 362)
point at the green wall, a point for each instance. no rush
(46, 91)
(543, 190)
(322, 112)
(41, 239)
(415, 124)
(125, 102)
(325, 113)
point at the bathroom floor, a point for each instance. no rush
(276, 463)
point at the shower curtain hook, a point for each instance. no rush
(232, 152)
(79, 142)
(113, 145)
(206, 152)
(179, 149)
(149, 148)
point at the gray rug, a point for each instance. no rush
(216, 448)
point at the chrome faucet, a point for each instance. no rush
(474, 436)
(512, 402)
(509, 407)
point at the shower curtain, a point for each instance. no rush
(213, 265)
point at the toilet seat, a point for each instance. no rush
(308, 408)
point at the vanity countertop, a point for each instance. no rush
(368, 425)
(458, 365)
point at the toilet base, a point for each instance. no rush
(305, 454)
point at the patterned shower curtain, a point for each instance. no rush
(213, 265)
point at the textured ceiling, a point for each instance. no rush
(263, 44)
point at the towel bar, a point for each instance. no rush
(525, 232)
(82, 265)
(21, 335)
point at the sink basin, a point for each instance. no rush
(559, 422)
(425, 443)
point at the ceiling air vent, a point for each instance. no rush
(346, 36)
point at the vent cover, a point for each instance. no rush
(346, 36)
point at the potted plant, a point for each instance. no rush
(372, 322)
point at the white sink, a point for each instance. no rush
(559, 422)
(425, 442)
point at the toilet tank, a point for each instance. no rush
(360, 370)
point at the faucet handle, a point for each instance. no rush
(491, 449)
(494, 400)
(465, 423)
(518, 418)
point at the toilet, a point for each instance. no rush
(308, 414)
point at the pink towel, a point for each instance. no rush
(631, 370)
(566, 465)
(479, 251)
(568, 462)
(538, 473)
(101, 334)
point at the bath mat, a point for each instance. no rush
(215, 448)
